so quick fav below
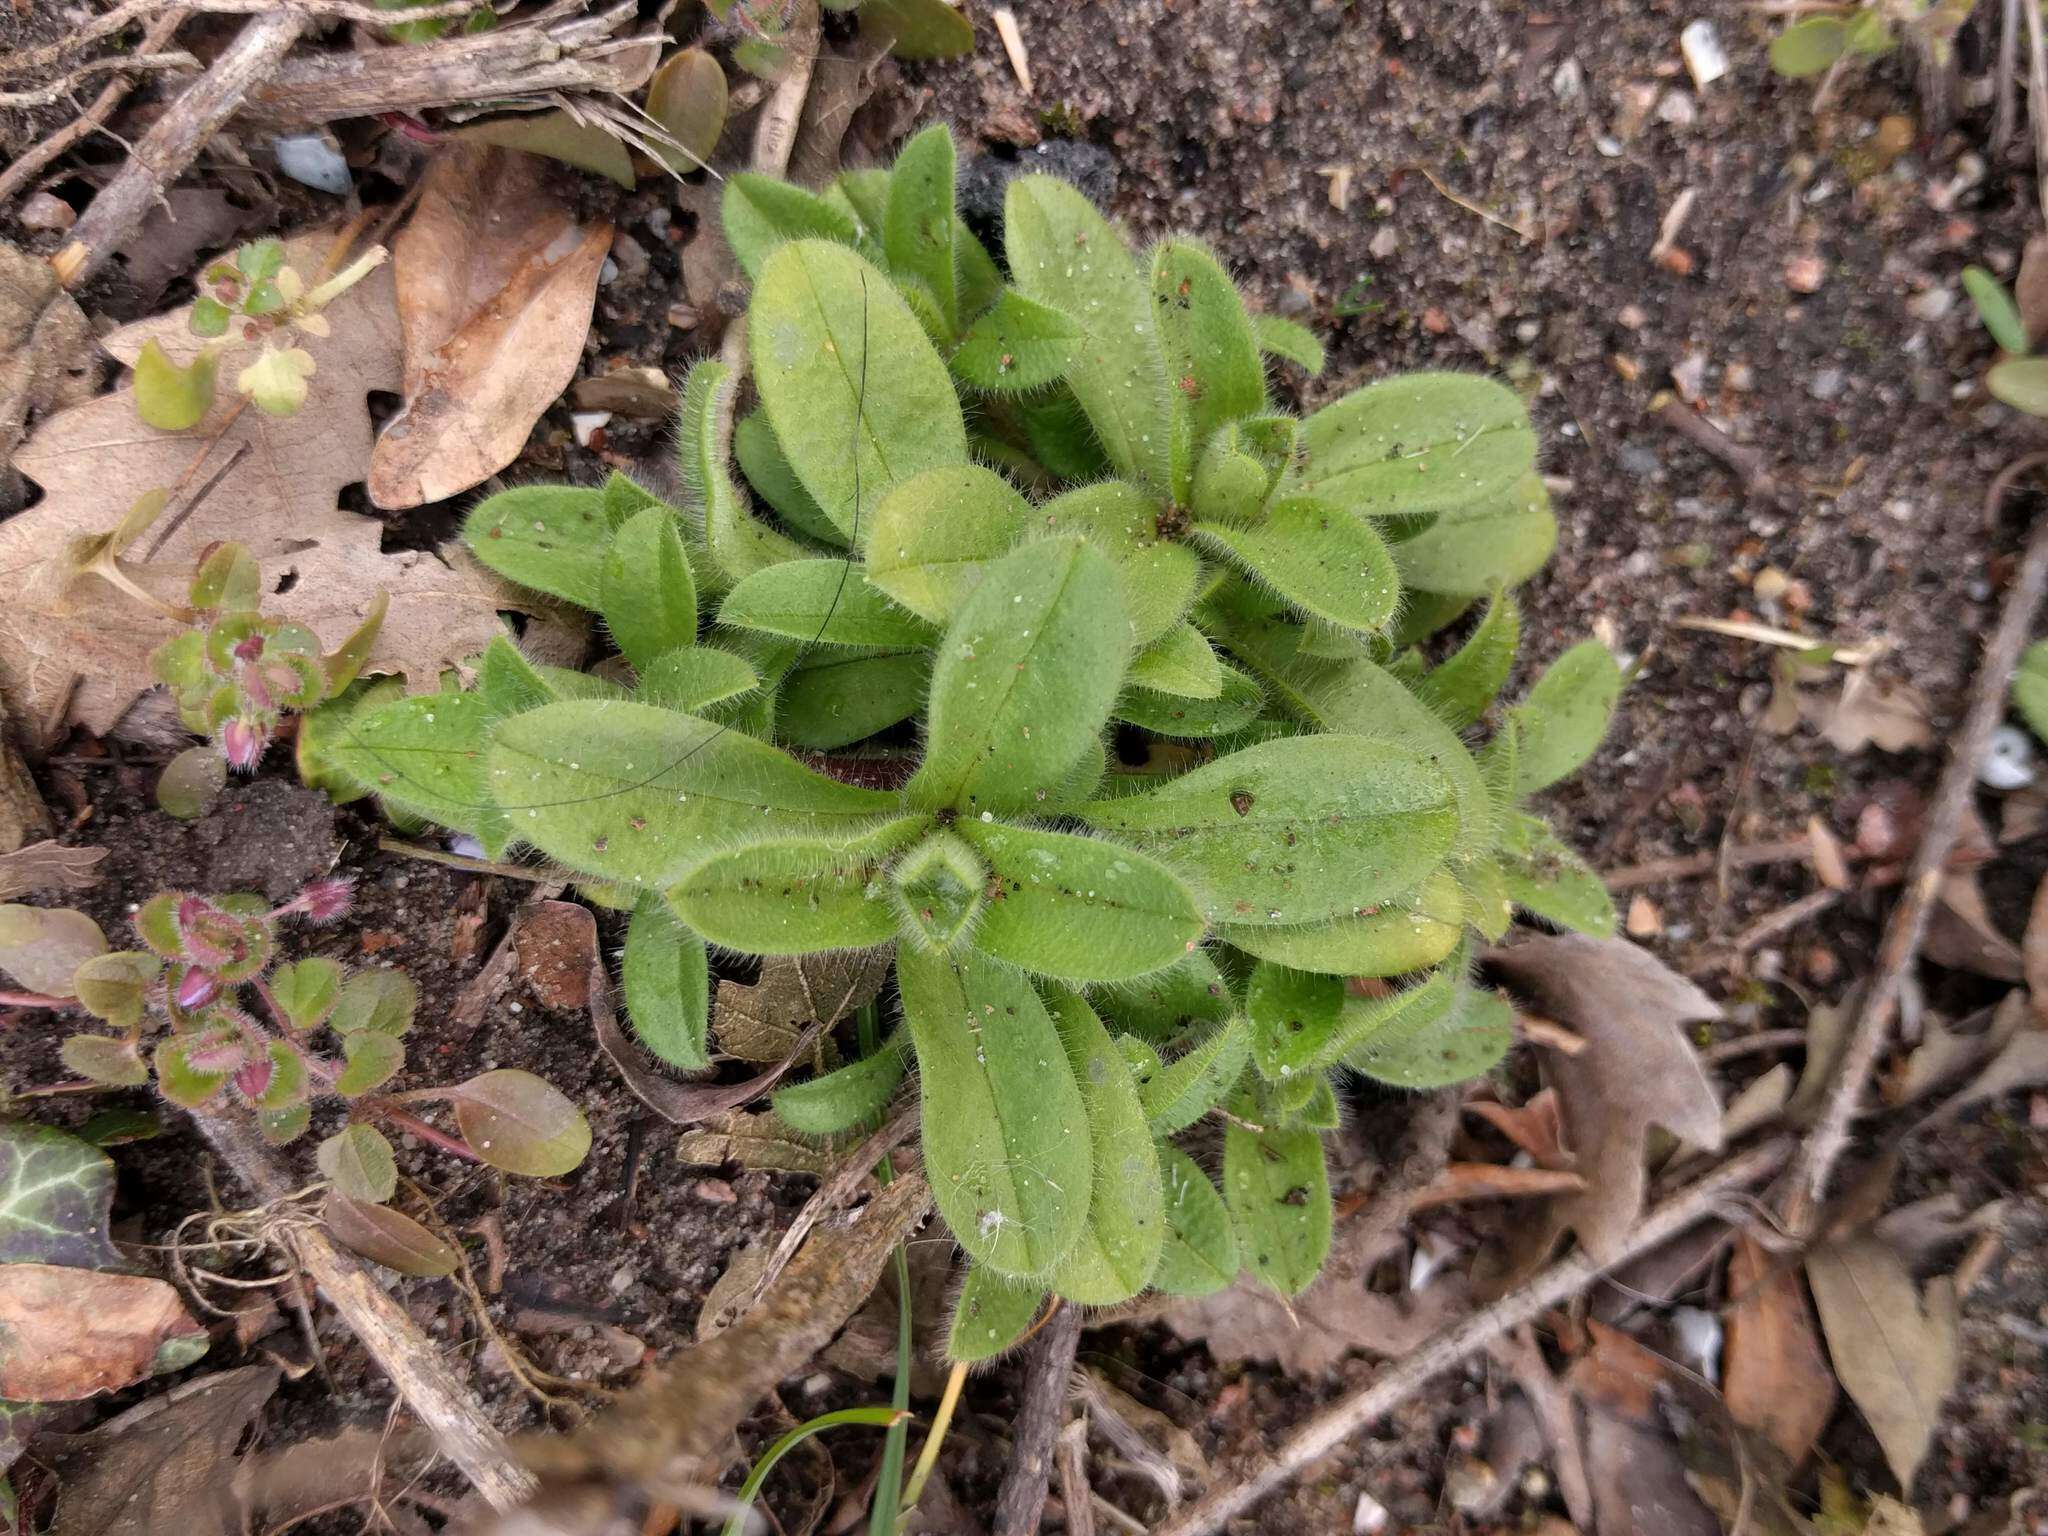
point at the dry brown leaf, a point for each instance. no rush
(1461, 1182)
(47, 866)
(727, 1298)
(866, 1347)
(1829, 865)
(557, 945)
(753, 1141)
(496, 280)
(842, 80)
(69, 1333)
(762, 1022)
(1534, 1127)
(1961, 935)
(166, 1464)
(47, 357)
(1776, 1377)
(2034, 951)
(1307, 1335)
(1871, 712)
(1633, 1468)
(1895, 1346)
(1639, 1072)
(2030, 288)
(279, 499)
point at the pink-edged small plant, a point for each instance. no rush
(209, 1012)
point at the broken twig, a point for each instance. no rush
(1049, 1364)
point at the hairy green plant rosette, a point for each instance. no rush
(1010, 624)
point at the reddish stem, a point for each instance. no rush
(35, 1000)
(427, 1133)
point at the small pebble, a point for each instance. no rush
(1384, 242)
(716, 1192)
(1805, 274)
(623, 1278)
(1704, 56)
(1369, 1517)
(2008, 759)
(587, 424)
(1932, 303)
(312, 160)
(609, 272)
(47, 211)
(1678, 109)
(1569, 81)
(1828, 384)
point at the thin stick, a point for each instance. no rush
(2037, 100)
(447, 1408)
(1784, 920)
(1907, 926)
(1352, 1413)
(1692, 866)
(1043, 1404)
(30, 165)
(543, 874)
(174, 142)
(1749, 464)
(57, 90)
(1075, 1490)
(928, 1454)
(2006, 113)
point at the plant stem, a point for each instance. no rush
(418, 1127)
(896, 1439)
(928, 1457)
(36, 1000)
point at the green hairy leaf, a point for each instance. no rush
(851, 1098)
(1159, 1007)
(551, 538)
(766, 468)
(1541, 875)
(1295, 831)
(1278, 1192)
(917, 225)
(1199, 1256)
(371, 1060)
(1024, 679)
(1156, 578)
(1325, 562)
(761, 214)
(2030, 688)
(832, 342)
(506, 681)
(738, 543)
(1236, 705)
(1466, 683)
(1995, 307)
(647, 593)
(1000, 1107)
(1444, 1031)
(1292, 343)
(823, 601)
(1421, 443)
(795, 895)
(695, 678)
(1566, 713)
(1018, 346)
(375, 1002)
(1210, 346)
(933, 536)
(938, 888)
(1389, 938)
(306, 991)
(1182, 663)
(426, 755)
(1501, 539)
(1196, 1081)
(1119, 1248)
(1079, 909)
(992, 1314)
(1065, 255)
(666, 978)
(635, 794)
(838, 700)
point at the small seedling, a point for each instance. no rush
(1826, 37)
(1037, 643)
(209, 1014)
(2020, 377)
(251, 302)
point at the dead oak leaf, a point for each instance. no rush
(71, 1333)
(279, 498)
(496, 280)
(764, 1021)
(1776, 1375)
(1895, 1346)
(1636, 1072)
(1308, 1334)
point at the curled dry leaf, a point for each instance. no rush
(496, 280)
(1777, 1377)
(279, 498)
(70, 1333)
(1309, 1333)
(1896, 1347)
(557, 944)
(752, 1141)
(763, 1022)
(1870, 712)
(1637, 1072)
(166, 1464)
(47, 358)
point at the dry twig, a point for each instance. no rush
(1350, 1414)
(447, 1408)
(1021, 1500)
(176, 139)
(1749, 464)
(1907, 927)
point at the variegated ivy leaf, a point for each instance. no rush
(55, 1192)
(999, 1107)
